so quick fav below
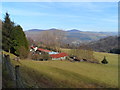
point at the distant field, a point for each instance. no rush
(70, 74)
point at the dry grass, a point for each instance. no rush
(71, 74)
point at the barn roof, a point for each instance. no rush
(44, 50)
(32, 47)
(58, 55)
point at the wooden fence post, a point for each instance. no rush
(16, 75)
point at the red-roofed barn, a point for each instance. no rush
(59, 56)
(43, 50)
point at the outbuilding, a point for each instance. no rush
(59, 56)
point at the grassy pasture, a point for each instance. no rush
(70, 74)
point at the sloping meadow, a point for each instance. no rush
(66, 74)
(48, 74)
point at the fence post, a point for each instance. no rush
(13, 72)
(8, 58)
(5, 61)
(16, 75)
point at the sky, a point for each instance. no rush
(84, 16)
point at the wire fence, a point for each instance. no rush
(13, 72)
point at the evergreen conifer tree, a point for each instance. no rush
(7, 26)
(104, 61)
(13, 38)
(19, 40)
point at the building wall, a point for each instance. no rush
(53, 52)
(59, 58)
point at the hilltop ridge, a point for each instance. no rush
(73, 36)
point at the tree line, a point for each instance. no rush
(13, 38)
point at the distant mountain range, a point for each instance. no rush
(34, 30)
(73, 36)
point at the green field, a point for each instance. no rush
(70, 74)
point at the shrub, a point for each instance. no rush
(36, 57)
(40, 57)
(23, 52)
(104, 61)
(115, 50)
(45, 56)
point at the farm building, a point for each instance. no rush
(39, 49)
(53, 55)
(59, 56)
(33, 48)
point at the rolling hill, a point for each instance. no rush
(73, 36)
(105, 44)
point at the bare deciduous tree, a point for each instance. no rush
(52, 38)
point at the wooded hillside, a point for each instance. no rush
(106, 44)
